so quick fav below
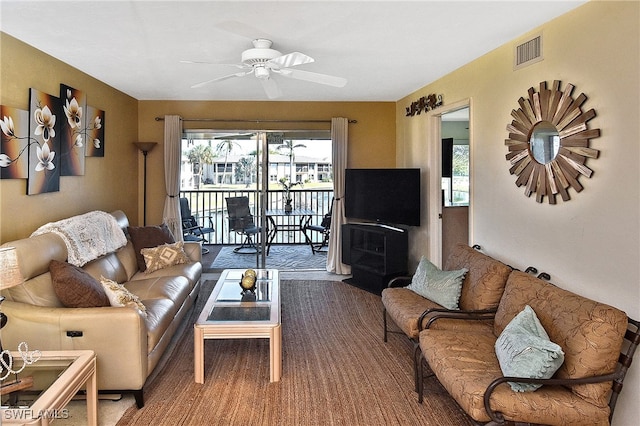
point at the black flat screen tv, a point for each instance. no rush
(385, 196)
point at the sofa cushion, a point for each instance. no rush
(466, 363)
(149, 236)
(524, 350)
(590, 333)
(164, 256)
(108, 266)
(119, 296)
(443, 287)
(405, 307)
(175, 288)
(162, 297)
(484, 282)
(76, 288)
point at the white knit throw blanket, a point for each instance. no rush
(87, 236)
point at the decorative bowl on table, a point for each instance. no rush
(248, 281)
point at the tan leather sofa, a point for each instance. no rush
(128, 346)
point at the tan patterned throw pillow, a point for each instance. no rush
(163, 256)
(119, 296)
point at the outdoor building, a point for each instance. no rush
(235, 170)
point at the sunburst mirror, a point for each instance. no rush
(549, 142)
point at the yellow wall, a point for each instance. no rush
(109, 183)
(590, 244)
(371, 139)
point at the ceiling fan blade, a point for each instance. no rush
(270, 88)
(313, 77)
(204, 83)
(291, 60)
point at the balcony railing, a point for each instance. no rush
(207, 204)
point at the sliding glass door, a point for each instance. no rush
(265, 169)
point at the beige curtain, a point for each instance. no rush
(339, 137)
(172, 162)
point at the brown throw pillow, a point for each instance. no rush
(149, 236)
(76, 288)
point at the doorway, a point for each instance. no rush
(454, 133)
(450, 202)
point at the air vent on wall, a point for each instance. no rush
(528, 52)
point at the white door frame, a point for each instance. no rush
(434, 151)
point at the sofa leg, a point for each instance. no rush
(384, 324)
(419, 378)
(417, 368)
(139, 396)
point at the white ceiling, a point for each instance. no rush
(385, 49)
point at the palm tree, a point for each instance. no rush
(289, 148)
(198, 155)
(225, 148)
(246, 168)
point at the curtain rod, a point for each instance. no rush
(255, 121)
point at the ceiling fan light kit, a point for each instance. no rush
(261, 60)
(261, 52)
(261, 72)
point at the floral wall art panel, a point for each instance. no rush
(94, 136)
(14, 143)
(44, 149)
(72, 131)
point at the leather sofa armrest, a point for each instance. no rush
(118, 336)
(193, 249)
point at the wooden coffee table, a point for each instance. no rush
(229, 315)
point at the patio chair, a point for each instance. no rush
(241, 222)
(191, 229)
(324, 228)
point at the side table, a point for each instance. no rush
(57, 377)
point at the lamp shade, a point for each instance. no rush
(10, 275)
(145, 146)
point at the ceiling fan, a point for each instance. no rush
(263, 62)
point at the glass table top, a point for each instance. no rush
(230, 303)
(36, 378)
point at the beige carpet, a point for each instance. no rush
(336, 371)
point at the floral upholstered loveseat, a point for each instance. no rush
(128, 342)
(479, 295)
(589, 334)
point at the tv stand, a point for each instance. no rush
(382, 225)
(376, 254)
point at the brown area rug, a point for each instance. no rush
(336, 371)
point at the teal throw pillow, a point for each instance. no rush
(525, 350)
(442, 287)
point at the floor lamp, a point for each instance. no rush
(145, 147)
(10, 276)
